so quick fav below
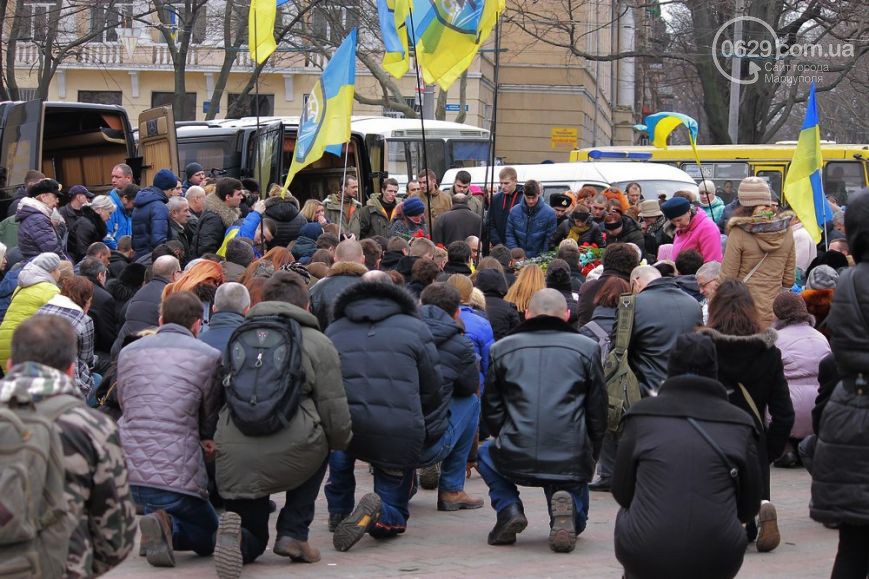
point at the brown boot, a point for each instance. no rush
(457, 501)
(156, 530)
(298, 551)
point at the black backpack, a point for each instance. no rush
(264, 377)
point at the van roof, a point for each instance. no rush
(605, 172)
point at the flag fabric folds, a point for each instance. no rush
(261, 29)
(393, 27)
(325, 121)
(659, 126)
(803, 188)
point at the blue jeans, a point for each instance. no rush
(194, 520)
(503, 492)
(393, 487)
(454, 446)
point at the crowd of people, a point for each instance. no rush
(191, 348)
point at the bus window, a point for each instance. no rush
(401, 153)
(468, 154)
(212, 154)
(842, 178)
(773, 178)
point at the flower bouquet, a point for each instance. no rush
(589, 257)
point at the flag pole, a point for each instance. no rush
(343, 186)
(493, 129)
(421, 92)
(256, 155)
(702, 178)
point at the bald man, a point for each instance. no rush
(546, 407)
(348, 269)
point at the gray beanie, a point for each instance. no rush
(46, 261)
(822, 277)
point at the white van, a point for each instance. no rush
(654, 178)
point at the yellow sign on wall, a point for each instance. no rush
(563, 137)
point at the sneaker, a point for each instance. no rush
(511, 521)
(430, 476)
(298, 551)
(227, 547)
(562, 535)
(361, 520)
(457, 501)
(156, 530)
(599, 485)
(768, 536)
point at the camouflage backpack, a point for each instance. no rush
(34, 527)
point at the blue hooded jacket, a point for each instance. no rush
(531, 228)
(150, 220)
(119, 224)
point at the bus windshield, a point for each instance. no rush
(404, 156)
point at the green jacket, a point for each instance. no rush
(373, 220)
(252, 467)
(334, 214)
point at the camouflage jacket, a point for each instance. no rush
(96, 488)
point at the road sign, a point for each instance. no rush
(455, 107)
(563, 137)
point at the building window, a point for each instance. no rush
(100, 97)
(162, 99)
(107, 16)
(36, 18)
(247, 107)
(329, 23)
(176, 18)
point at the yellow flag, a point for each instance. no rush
(261, 29)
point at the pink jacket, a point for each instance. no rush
(802, 348)
(702, 235)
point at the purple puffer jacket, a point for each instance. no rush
(36, 234)
(802, 348)
(170, 399)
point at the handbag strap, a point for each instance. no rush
(624, 323)
(731, 468)
(755, 268)
(751, 403)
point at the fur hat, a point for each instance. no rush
(754, 191)
(165, 180)
(676, 207)
(693, 354)
(413, 207)
(822, 277)
(133, 275)
(560, 200)
(789, 306)
(45, 186)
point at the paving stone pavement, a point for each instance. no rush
(454, 544)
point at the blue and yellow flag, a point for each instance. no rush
(393, 27)
(803, 188)
(261, 29)
(325, 121)
(448, 34)
(659, 126)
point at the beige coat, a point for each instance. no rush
(749, 239)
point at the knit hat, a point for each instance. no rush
(650, 208)
(46, 261)
(560, 200)
(311, 230)
(558, 278)
(80, 190)
(789, 306)
(165, 179)
(133, 275)
(676, 207)
(822, 277)
(44, 186)
(707, 186)
(693, 354)
(754, 191)
(192, 169)
(413, 207)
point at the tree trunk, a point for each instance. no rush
(229, 56)
(441, 105)
(463, 98)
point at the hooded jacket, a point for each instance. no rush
(545, 404)
(702, 235)
(373, 220)
(120, 223)
(150, 220)
(458, 364)
(530, 228)
(253, 467)
(749, 240)
(35, 287)
(503, 316)
(802, 349)
(479, 331)
(289, 220)
(714, 210)
(682, 514)
(215, 220)
(87, 229)
(350, 213)
(36, 233)
(324, 293)
(499, 211)
(631, 233)
(390, 366)
(168, 409)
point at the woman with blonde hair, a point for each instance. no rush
(314, 211)
(529, 280)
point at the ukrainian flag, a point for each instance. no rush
(325, 122)
(393, 27)
(261, 29)
(447, 35)
(659, 126)
(803, 189)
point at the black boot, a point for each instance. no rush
(511, 521)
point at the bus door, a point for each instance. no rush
(773, 173)
(21, 143)
(265, 151)
(157, 143)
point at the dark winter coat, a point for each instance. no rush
(630, 233)
(655, 236)
(87, 229)
(390, 366)
(458, 363)
(461, 268)
(755, 362)
(36, 233)
(220, 328)
(593, 235)
(503, 316)
(499, 211)
(150, 220)
(323, 294)
(253, 467)
(215, 220)
(70, 215)
(102, 312)
(390, 260)
(304, 248)
(681, 513)
(662, 313)
(288, 219)
(373, 219)
(143, 311)
(545, 403)
(181, 234)
(117, 263)
(530, 228)
(456, 224)
(841, 461)
(689, 285)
